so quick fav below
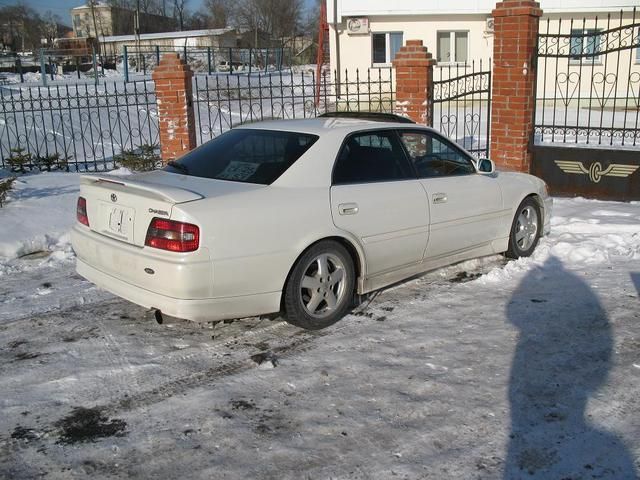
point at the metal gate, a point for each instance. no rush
(586, 138)
(460, 105)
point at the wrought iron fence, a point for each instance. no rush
(223, 101)
(461, 105)
(77, 127)
(588, 82)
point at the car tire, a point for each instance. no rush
(319, 291)
(525, 229)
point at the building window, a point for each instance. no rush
(638, 49)
(584, 45)
(76, 20)
(453, 46)
(385, 46)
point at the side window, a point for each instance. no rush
(433, 156)
(371, 157)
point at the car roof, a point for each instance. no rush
(322, 126)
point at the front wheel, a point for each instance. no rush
(525, 230)
(320, 289)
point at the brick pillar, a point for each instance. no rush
(414, 82)
(172, 78)
(513, 82)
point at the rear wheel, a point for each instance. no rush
(320, 289)
(525, 230)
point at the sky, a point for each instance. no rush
(62, 7)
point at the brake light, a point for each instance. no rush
(81, 211)
(173, 236)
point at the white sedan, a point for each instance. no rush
(298, 216)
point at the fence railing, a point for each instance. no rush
(221, 102)
(77, 127)
(83, 127)
(588, 83)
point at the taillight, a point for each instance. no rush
(81, 211)
(173, 236)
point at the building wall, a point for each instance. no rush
(356, 51)
(116, 21)
(83, 24)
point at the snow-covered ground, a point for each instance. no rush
(487, 369)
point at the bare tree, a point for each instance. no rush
(20, 27)
(51, 27)
(220, 12)
(179, 12)
(197, 21)
(279, 18)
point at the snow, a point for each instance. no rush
(38, 215)
(486, 369)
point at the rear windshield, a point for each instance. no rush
(244, 155)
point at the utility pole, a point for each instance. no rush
(136, 31)
(92, 5)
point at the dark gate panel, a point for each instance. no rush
(589, 172)
(460, 105)
(586, 137)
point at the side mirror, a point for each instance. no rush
(486, 166)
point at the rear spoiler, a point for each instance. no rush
(159, 191)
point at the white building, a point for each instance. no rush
(368, 33)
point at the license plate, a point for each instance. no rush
(118, 221)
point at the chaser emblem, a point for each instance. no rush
(595, 171)
(158, 212)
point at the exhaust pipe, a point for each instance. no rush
(158, 316)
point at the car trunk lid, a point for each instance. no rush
(122, 206)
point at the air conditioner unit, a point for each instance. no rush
(357, 26)
(488, 26)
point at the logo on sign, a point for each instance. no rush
(114, 197)
(595, 170)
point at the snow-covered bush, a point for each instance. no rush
(19, 160)
(141, 159)
(52, 161)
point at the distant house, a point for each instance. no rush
(107, 20)
(215, 38)
(368, 33)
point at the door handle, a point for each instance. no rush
(439, 198)
(348, 208)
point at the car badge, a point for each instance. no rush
(114, 198)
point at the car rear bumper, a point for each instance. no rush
(199, 310)
(181, 285)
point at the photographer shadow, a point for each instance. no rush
(563, 356)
